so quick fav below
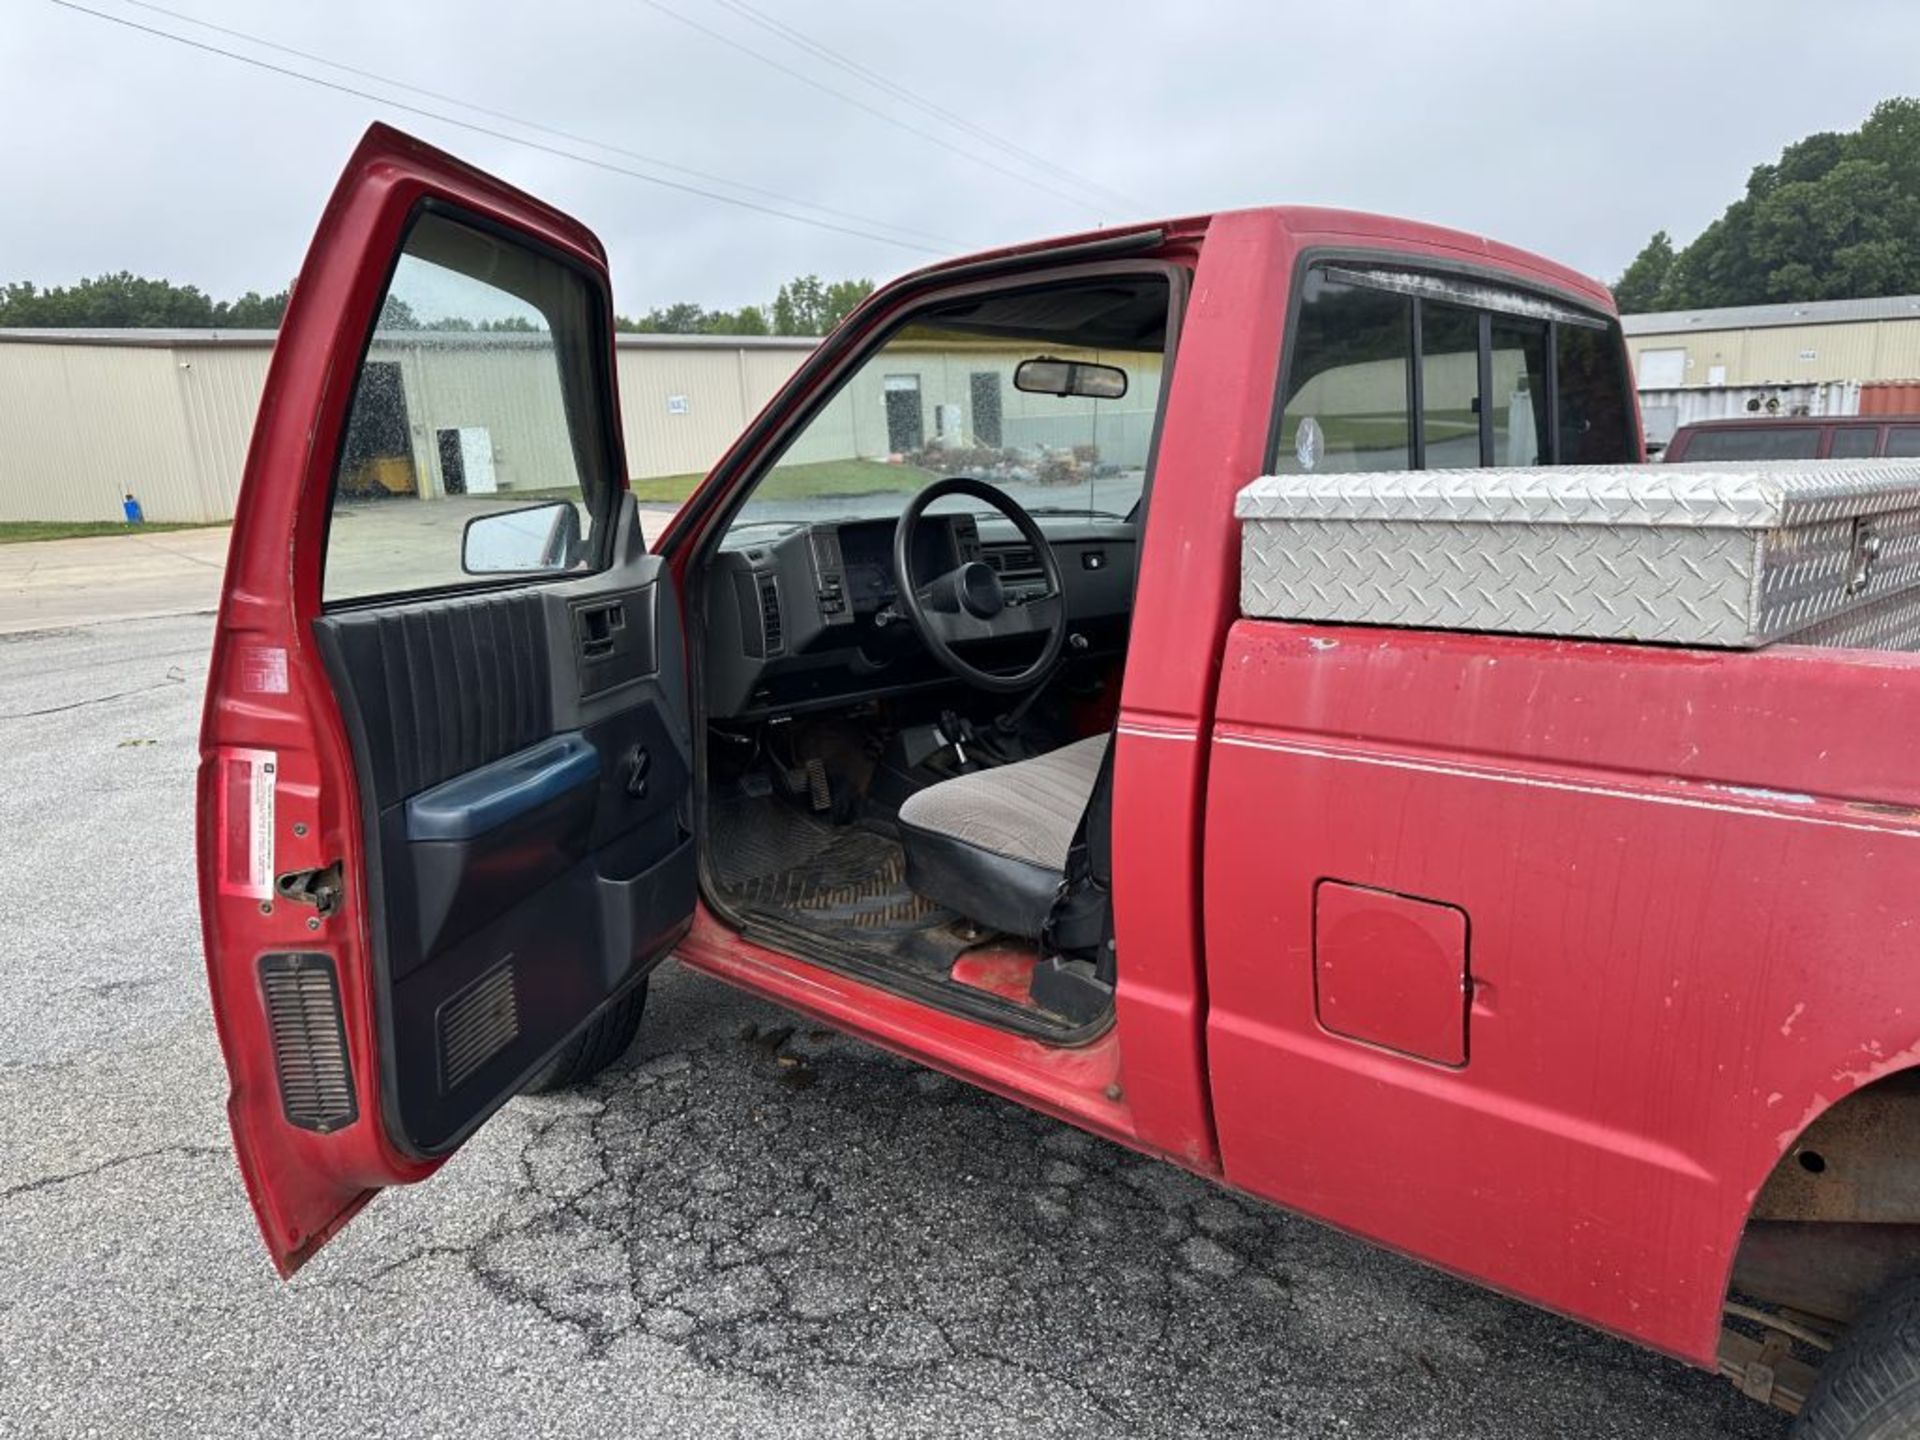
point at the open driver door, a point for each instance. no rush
(444, 802)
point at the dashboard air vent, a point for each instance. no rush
(770, 621)
(1014, 562)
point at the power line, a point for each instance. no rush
(919, 102)
(894, 120)
(488, 131)
(534, 125)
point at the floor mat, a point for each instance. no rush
(775, 858)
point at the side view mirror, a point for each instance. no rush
(1044, 375)
(511, 542)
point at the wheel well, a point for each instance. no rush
(1838, 1219)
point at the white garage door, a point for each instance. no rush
(1661, 369)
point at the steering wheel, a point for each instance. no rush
(969, 603)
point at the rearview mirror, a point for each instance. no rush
(511, 542)
(1043, 375)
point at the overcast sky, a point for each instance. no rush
(1571, 128)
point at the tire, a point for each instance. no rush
(1869, 1388)
(605, 1040)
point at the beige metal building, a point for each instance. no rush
(1809, 358)
(88, 415)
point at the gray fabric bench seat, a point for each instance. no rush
(993, 845)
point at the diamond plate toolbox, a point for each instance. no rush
(1826, 552)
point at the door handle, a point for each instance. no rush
(597, 628)
(639, 762)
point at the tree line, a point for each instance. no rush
(805, 305)
(133, 302)
(1836, 217)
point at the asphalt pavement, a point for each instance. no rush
(751, 1227)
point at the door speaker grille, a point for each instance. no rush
(477, 1024)
(309, 1041)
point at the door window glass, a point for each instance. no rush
(1346, 402)
(1756, 442)
(478, 443)
(1853, 442)
(1903, 440)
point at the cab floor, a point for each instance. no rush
(848, 881)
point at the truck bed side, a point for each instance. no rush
(1687, 879)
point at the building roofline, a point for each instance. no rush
(1760, 317)
(146, 339)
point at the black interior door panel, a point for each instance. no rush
(524, 761)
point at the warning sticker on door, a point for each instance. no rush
(247, 780)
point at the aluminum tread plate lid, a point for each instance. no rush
(1721, 554)
(1723, 494)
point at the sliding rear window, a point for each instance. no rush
(1399, 369)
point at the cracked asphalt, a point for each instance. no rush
(750, 1227)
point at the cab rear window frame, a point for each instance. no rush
(603, 393)
(1423, 279)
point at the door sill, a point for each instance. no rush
(1077, 1083)
(870, 965)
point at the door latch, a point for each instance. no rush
(1867, 544)
(321, 889)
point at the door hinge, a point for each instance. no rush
(321, 889)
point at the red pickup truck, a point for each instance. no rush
(1578, 966)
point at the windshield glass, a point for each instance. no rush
(938, 399)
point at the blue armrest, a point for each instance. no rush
(483, 799)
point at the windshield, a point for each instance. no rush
(938, 399)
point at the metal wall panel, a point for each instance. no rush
(681, 408)
(170, 417)
(81, 425)
(1821, 352)
(1879, 349)
(87, 418)
(219, 395)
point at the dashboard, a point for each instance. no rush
(802, 616)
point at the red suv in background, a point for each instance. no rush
(1846, 437)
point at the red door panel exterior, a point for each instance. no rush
(1674, 968)
(267, 693)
